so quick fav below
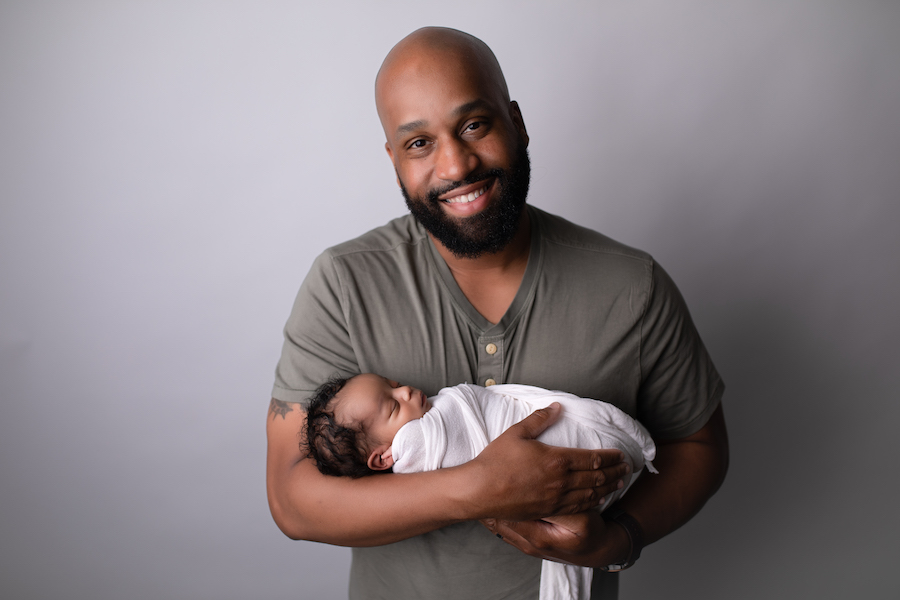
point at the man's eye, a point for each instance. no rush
(473, 126)
(418, 144)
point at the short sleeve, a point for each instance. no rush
(317, 343)
(680, 387)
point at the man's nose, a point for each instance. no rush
(455, 160)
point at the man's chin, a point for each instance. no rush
(484, 233)
(490, 227)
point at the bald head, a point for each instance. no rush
(432, 49)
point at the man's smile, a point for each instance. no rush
(464, 198)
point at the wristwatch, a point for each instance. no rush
(635, 534)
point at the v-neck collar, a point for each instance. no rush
(523, 295)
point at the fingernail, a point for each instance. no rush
(490, 523)
(596, 464)
(620, 485)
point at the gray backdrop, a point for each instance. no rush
(168, 171)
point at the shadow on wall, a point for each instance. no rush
(804, 424)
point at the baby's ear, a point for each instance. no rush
(381, 458)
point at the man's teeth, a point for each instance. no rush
(466, 197)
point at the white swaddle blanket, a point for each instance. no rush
(465, 418)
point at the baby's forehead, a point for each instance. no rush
(350, 406)
(342, 405)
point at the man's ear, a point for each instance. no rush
(518, 121)
(381, 458)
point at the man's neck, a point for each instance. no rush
(490, 282)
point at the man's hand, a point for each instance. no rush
(584, 539)
(691, 469)
(518, 478)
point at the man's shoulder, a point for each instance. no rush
(562, 234)
(400, 232)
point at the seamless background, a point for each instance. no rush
(168, 171)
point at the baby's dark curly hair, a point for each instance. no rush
(336, 449)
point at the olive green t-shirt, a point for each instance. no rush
(592, 317)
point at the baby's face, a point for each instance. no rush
(384, 406)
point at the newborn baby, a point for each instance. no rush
(369, 424)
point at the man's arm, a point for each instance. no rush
(515, 477)
(691, 470)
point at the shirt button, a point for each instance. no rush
(491, 348)
(489, 383)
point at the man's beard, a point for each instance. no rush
(487, 232)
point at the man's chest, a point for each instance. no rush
(585, 349)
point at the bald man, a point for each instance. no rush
(477, 286)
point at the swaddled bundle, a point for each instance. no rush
(464, 419)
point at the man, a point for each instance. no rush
(480, 287)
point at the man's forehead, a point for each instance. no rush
(410, 103)
(426, 70)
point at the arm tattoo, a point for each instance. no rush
(277, 407)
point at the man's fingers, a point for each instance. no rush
(599, 479)
(591, 460)
(544, 539)
(589, 488)
(534, 424)
(517, 534)
(578, 501)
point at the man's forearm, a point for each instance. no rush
(690, 472)
(515, 477)
(370, 511)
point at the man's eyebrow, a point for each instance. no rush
(411, 126)
(471, 106)
(457, 112)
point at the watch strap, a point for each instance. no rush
(635, 535)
